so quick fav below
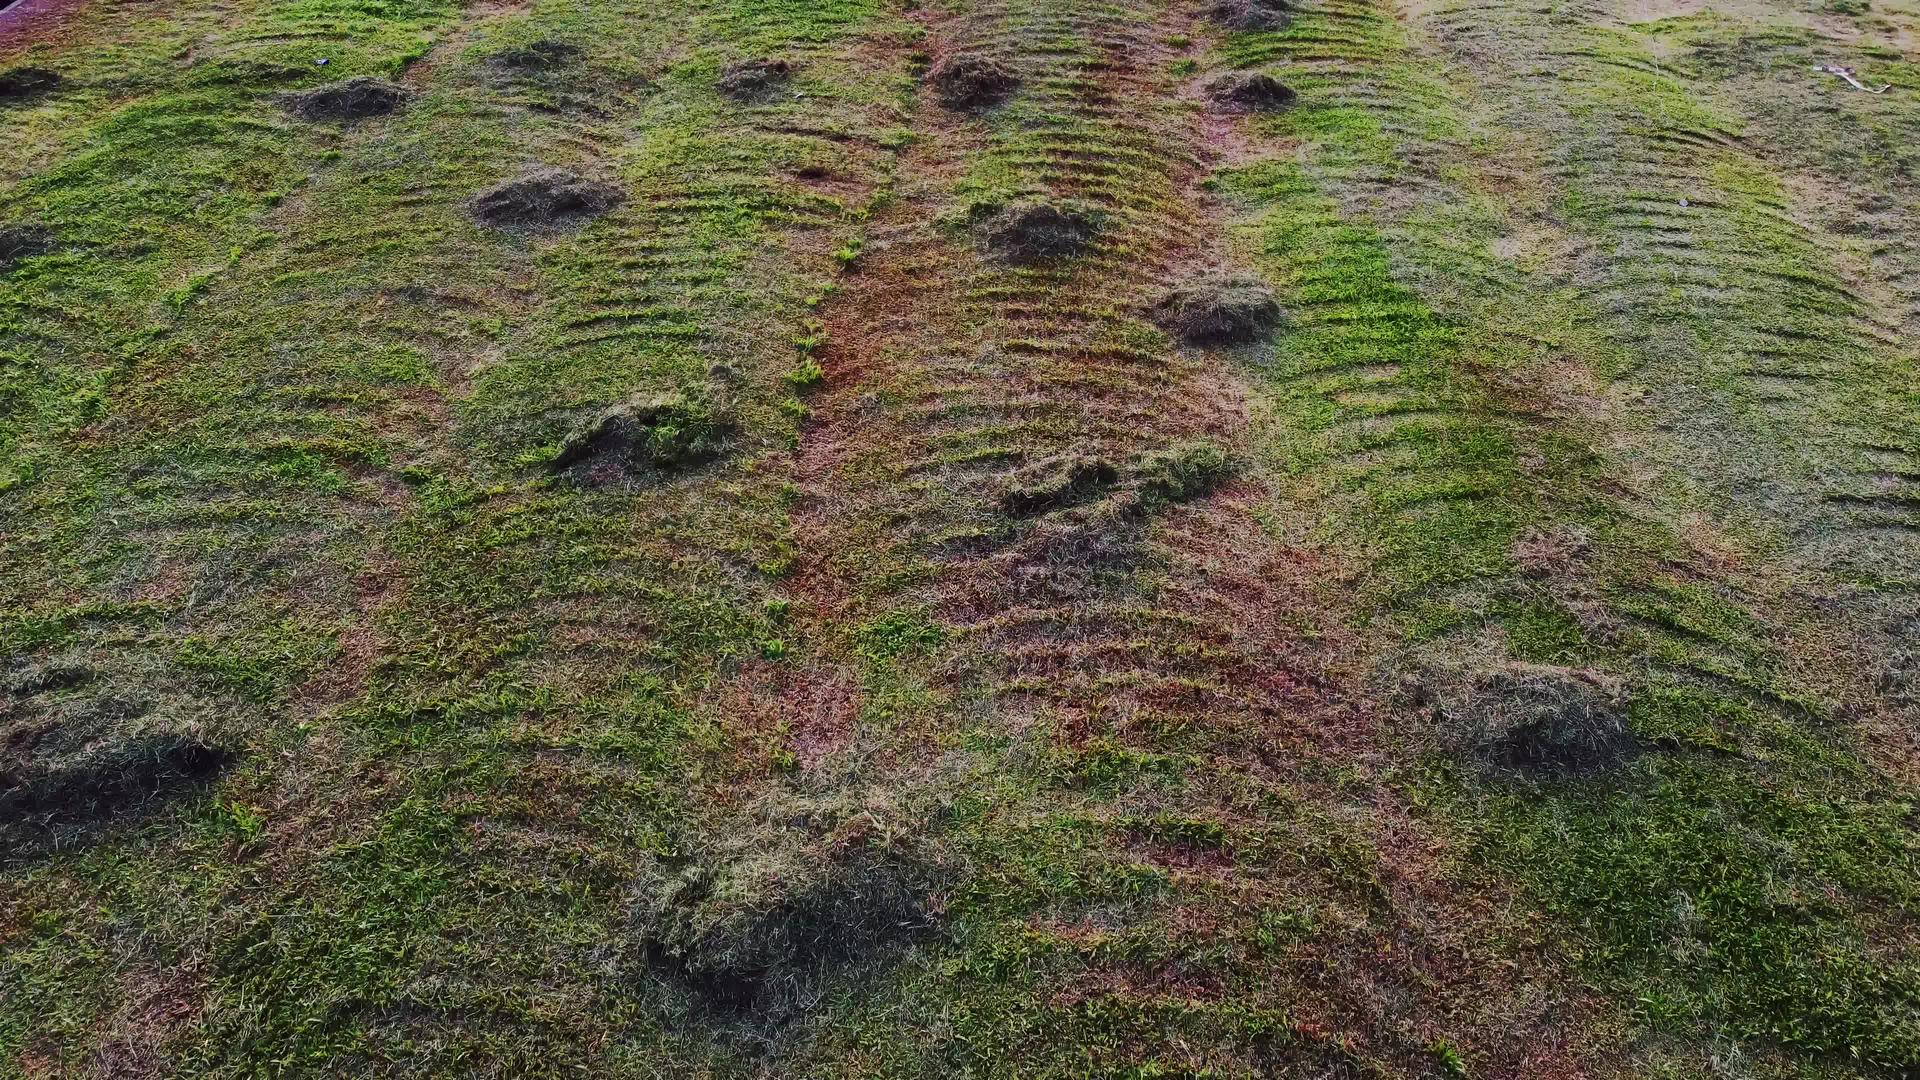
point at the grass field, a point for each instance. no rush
(933, 538)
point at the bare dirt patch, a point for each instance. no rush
(28, 22)
(1551, 552)
(155, 1007)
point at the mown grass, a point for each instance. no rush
(275, 424)
(275, 414)
(1743, 880)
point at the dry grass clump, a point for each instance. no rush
(1147, 481)
(1057, 482)
(969, 81)
(51, 803)
(26, 83)
(544, 199)
(754, 80)
(1028, 232)
(1544, 722)
(23, 242)
(647, 433)
(1251, 92)
(359, 98)
(1219, 309)
(537, 56)
(802, 892)
(1180, 473)
(1252, 15)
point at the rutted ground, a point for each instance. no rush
(1023, 538)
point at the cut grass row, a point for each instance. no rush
(301, 495)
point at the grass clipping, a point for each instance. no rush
(544, 199)
(1219, 308)
(358, 98)
(779, 910)
(645, 436)
(969, 81)
(1532, 721)
(58, 802)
